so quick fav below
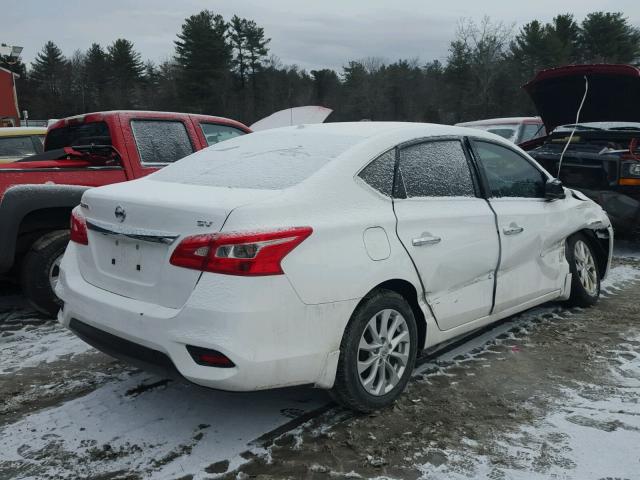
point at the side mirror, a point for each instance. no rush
(553, 189)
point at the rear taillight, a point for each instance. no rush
(239, 253)
(78, 229)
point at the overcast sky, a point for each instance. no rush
(322, 33)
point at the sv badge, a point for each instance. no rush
(204, 223)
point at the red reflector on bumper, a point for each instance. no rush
(209, 358)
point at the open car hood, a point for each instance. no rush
(613, 95)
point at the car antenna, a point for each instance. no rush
(575, 125)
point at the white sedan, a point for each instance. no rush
(328, 255)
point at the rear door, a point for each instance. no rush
(447, 229)
(532, 256)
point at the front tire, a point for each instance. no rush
(585, 281)
(40, 270)
(377, 353)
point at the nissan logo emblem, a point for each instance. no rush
(120, 214)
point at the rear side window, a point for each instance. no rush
(94, 133)
(161, 141)
(436, 169)
(379, 173)
(215, 133)
(508, 173)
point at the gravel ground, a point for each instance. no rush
(551, 393)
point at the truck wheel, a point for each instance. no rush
(40, 270)
(377, 353)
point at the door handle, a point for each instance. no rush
(513, 229)
(429, 240)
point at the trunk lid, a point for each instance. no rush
(134, 227)
(613, 94)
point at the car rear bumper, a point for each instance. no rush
(273, 339)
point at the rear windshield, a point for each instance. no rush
(94, 133)
(267, 160)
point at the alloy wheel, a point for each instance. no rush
(586, 267)
(383, 352)
(54, 272)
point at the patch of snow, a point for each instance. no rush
(164, 432)
(32, 346)
(582, 437)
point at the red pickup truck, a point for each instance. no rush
(38, 192)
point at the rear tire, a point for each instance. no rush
(377, 353)
(40, 268)
(585, 276)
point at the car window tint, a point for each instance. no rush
(508, 173)
(379, 173)
(161, 141)
(436, 169)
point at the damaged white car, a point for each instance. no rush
(328, 255)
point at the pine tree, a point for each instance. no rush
(238, 41)
(609, 38)
(78, 85)
(96, 77)
(530, 48)
(125, 71)
(256, 46)
(49, 77)
(204, 57)
(563, 36)
(47, 70)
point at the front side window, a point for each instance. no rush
(161, 141)
(379, 173)
(215, 133)
(435, 169)
(508, 173)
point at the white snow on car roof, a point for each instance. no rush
(282, 157)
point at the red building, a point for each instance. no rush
(9, 113)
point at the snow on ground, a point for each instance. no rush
(588, 430)
(31, 346)
(165, 429)
(169, 429)
(591, 432)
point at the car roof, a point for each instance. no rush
(22, 131)
(504, 120)
(144, 114)
(373, 138)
